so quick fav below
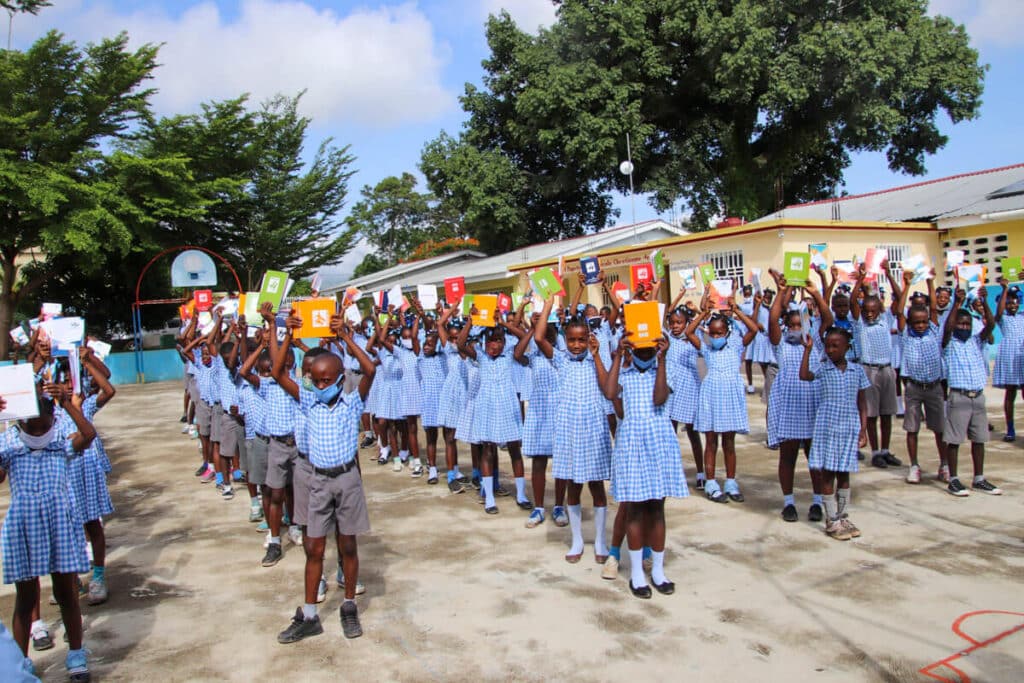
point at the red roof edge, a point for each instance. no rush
(906, 187)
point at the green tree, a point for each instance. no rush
(395, 219)
(734, 106)
(371, 263)
(60, 196)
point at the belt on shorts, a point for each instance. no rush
(922, 385)
(264, 439)
(287, 439)
(876, 365)
(969, 393)
(335, 471)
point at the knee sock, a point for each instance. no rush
(842, 502)
(658, 569)
(830, 509)
(636, 568)
(98, 573)
(615, 551)
(487, 485)
(600, 546)
(576, 525)
(520, 488)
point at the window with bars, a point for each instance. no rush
(898, 253)
(611, 279)
(985, 250)
(728, 264)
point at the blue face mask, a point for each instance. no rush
(307, 384)
(794, 336)
(718, 343)
(643, 365)
(962, 335)
(915, 333)
(328, 393)
(578, 356)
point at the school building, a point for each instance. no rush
(980, 213)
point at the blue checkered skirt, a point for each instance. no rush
(89, 483)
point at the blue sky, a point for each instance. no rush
(384, 77)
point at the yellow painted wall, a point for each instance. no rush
(1014, 231)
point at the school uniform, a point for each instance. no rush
(876, 359)
(496, 416)
(1009, 368)
(646, 458)
(336, 497)
(410, 391)
(280, 422)
(747, 306)
(42, 531)
(922, 379)
(302, 473)
(762, 346)
(257, 443)
(538, 437)
(353, 370)
(432, 371)
(452, 401)
(464, 424)
(389, 401)
(966, 366)
(581, 448)
(232, 434)
(87, 475)
(793, 402)
(207, 396)
(834, 442)
(681, 359)
(721, 403)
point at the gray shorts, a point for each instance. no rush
(280, 464)
(337, 501)
(216, 422)
(915, 400)
(966, 419)
(881, 395)
(256, 460)
(351, 381)
(300, 489)
(203, 413)
(193, 389)
(232, 437)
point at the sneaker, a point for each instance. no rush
(321, 591)
(878, 460)
(789, 513)
(238, 476)
(396, 466)
(368, 440)
(340, 580)
(860, 456)
(610, 570)
(914, 475)
(295, 535)
(475, 483)
(456, 486)
(700, 484)
(382, 459)
(193, 432)
(202, 470)
(986, 486)
(273, 555)
(208, 476)
(957, 489)
(750, 388)
(184, 429)
(417, 469)
(837, 530)
(227, 493)
(501, 492)
(850, 527)
(559, 517)
(891, 460)
(300, 628)
(943, 474)
(815, 513)
(535, 519)
(1009, 437)
(77, 666)
(41, 640)
(262, 526)
(97, 592)
(350, 620)
(183, 418)
(432, 480)
(255, 513)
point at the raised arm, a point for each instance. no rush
(750, 324)
(416, 335)
(1001, 306)
(594, 346)
(246, 370)
(901, 305)
(805, 362)
(92, 365)
(81, 439)
(695, 323)
(824, 312)
(661, 390)
(958, 301)
(462, 342)
(541, 328)
(933, 306)
(610, 386)
(774, 329)
(990, 321)
(897, 291)
(856, 292)
(366, 364)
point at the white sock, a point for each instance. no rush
(576, 525)
(275, 539)
(700, 476)
(600, 547)
(38, 625)
(636, 568)
(385, 452)
(658, 569)
(520, 488)
(842, 501)
(487, 484)
(403, 455)
(308, 611)
(432, 473)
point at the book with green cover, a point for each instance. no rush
(707, 272)
(797, 267)
(273, 288)
(545, 283)
(1011, 268)
(658, 261)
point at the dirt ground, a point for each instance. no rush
(454, 594)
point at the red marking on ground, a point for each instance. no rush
(931, 669)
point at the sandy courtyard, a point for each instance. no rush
(454, 594)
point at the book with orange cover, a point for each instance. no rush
(643, 320)
(316, 317)
(485, 305)
(721, 294)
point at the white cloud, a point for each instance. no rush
(378, 66)
(528, 14)
(989, 22)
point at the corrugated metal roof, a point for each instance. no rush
(957, 195)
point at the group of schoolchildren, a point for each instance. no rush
(568, 385)
(57, 469)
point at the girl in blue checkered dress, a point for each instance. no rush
(433, 370)
(407, 351)
(840, 426)
(722, 404)
(761, 348)
(388, 409)
(452, 400)
(1008, 372)
(682, 368)
(792, 403)
(581, 448)
(647, 467)
(42, 531)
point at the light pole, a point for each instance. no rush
(626, 169)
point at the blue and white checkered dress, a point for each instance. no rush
(721, 403)
(42, 532)
(608, 342)
(684, 378)
(433, 371)
(762, 345)
(370, 405)
(646, 461)
(452, 402)
(464, 426)
(389, 374)
(748, 309)
(89, 408)
(411, 397)
(837, 423)
(496, 417)
(87, 476)
(538, 432)
(792, 403)
(1009, 368)
(582, 448)
(922, 356)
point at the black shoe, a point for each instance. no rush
(716, 496)
(300, 628)
(987, 486)
(475, 483)
(891, 460)
(860, 455)
(41, 642)
(432, 480)
(524, 505)
(493, 510)
(957, 489)
(644, 592)
(184, 419)
(700, 484)
(273, 555)
(789, 513)
(455, 486)
(501, 492)
(736, 497)
(815, 514)
(462, 479)
(367, 442)
(879, 461)
(202, 470)
(350, 625)
(667, 588)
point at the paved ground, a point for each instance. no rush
(453, 594)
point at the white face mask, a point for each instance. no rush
(36, 443)
(407, 343)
